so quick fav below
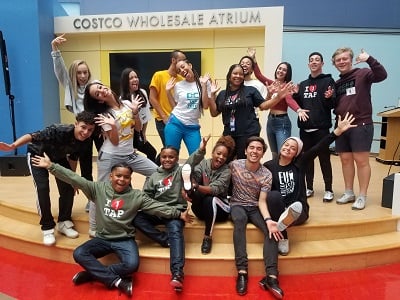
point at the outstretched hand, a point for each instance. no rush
(58, 41)
(344, 124)
(204, 142)
(362, 57)
(41, 161)
(185, 216)
(6, 147)
(274, 231)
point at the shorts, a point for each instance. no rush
(357, 139)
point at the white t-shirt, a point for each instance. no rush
(258, 85)
(125, 122)
(187, 101)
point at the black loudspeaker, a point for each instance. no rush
(14, 165)
(4, 60)
(387, 191)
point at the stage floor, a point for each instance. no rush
(19, 191)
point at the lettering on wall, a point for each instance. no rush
(165, 20)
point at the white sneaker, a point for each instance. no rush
(328, 196)
(309, 193)
(359, 204)
(48, 237)
(283, 247)
(346, 198)
(290, 215)
(66, 229)
(186, 171)
(92, 233)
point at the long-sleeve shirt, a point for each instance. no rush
(74, 103)
(114, 211)
(57, 141)
(353, 91)
(166, 185)
(283, 104)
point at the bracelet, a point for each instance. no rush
(267, 219)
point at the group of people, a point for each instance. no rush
(231, 183)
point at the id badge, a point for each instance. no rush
(232, 123)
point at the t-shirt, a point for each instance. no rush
(186, 95)
(247, 185)
(125, 123)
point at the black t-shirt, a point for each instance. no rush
(239, 105)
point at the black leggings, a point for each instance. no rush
(276, 206)
(206, 209)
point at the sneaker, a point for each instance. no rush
(48, 237)
(177, 282)
(271, 284)
(66, 229)
(328, 196)
(92, 233)
(359, 204)
(125, 286)
(283, 247)
(206, 245)
(186, 171)
(346, 198)
(290, 215)
(309, 193)
(87, 206)
(82, 277)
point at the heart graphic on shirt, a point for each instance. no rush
(312, 88)
(167, 181)
(117, 204)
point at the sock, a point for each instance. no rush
(349, 192)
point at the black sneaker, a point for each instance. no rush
(271, 284)
(206, 245)
(241, 283)
(125, 286)
(177, 282)
(82, 277)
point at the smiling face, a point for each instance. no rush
(83, 131)
(100, 92)
(343, 62)
(236, 77)
(219, 157)
(281, 71)
(120, 178)
(184, 69)
(168, 158)
(315, 64)
(247, 66)
(82, 74)
(289, 149)
(254, 151)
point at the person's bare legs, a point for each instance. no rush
(348, 169)
(363, 171)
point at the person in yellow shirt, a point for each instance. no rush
(158, 94)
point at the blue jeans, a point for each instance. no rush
(88, 253)
(175, 131)
(241, 215)
(278, 130)
(174, 236)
